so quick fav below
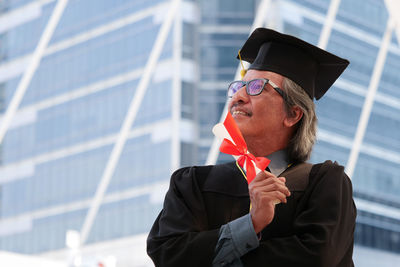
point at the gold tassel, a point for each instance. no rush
(243, 70)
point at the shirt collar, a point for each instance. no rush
(279, 162)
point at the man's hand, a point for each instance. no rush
(265, 191)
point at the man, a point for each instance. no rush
(212, 217)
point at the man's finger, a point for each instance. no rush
(267, 180)
(274, 187)
(275, 196)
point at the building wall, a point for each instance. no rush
(56, 149)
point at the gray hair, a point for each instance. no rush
(301, 143)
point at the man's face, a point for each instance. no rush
(261, 116)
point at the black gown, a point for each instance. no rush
(314, 228)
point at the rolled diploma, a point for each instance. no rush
(220, 132)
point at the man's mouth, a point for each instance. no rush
(240, 112)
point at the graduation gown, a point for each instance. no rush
(314, 228)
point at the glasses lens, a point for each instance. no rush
(234, 87)
(255, 86)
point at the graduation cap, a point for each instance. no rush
(314, 69)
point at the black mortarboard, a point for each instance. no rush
(314, 69)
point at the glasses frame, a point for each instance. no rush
(266, 81)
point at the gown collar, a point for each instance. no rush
(279, 162)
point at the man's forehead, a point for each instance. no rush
(254, 74)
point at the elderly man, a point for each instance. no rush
(212, 217)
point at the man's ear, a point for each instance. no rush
(293, 117)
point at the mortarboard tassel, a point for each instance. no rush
(243, 70)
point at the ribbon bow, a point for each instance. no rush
(238, 149)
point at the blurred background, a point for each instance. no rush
(102, 100)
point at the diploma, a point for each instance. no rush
(234, 144)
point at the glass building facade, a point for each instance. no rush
(60, 140)
(55, 151)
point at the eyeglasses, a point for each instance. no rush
(253, 87)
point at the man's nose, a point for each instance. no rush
(240, 96)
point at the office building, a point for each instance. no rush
(60, 141)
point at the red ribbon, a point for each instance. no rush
(239, 148)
